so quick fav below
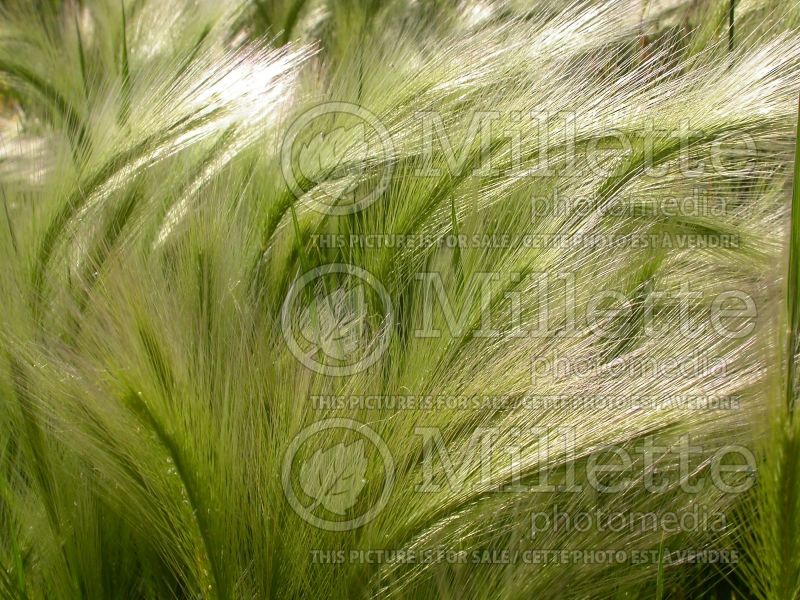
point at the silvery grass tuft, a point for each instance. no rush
(199, 262)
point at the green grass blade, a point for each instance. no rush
(792, 299)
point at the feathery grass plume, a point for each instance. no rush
(771, 569)
(495, 242)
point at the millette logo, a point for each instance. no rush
(330, 487)
(337, 319)
(337, 158)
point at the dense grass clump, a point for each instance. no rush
(351, 299)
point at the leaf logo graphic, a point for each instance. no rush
(335, 477)
(342, 332)
(335, 324)
(331, 475)
(339, 168)
(326, 152)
